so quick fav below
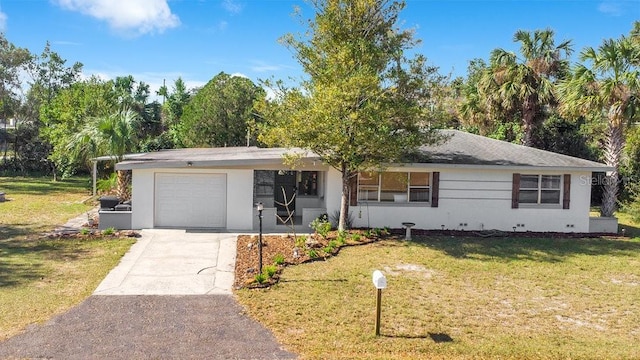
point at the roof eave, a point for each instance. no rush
(597, 168)
(188, 164)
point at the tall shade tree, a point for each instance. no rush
(13, 61)
(174, 102)
(525, 84)
(607, 85)
(360, 107)
(67, 114)
(49, 76)
(220, 113)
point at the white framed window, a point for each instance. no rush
(540, 189)
(397, 187)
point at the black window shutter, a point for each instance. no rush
(515, 191)
(566, 196)
(353, 191)
(435, 188)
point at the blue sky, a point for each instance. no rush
(155, 40)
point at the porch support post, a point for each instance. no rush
(94, 175)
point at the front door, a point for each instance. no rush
(285, 180)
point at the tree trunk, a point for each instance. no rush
(613, 151)
(529, 121)
(122, 190)
(344, 200)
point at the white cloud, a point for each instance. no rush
(237, 74)
(66, 43)
(139, 16)
(3, 21)
(613, 8)
(232, 6)
(261, 66)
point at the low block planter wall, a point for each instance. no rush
(119, 220)
(607, 225)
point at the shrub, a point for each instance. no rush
(109, 231)
(270, 270)
(84, 231)
(321, 225)
(356, 237)
(261, 278)
(312, 253)
(335, 218)
(301, 241)
(278, 259)
(342, 238)
(331, 246)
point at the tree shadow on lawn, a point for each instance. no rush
(23, 261)
(43, 186)
(436, 337)
(534, 249)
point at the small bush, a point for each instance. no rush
(356, 237)
(331, 246)
(335, 219)
(342, 238)
(261, 278)
(321, 225)
(109, 231)
(270, 270)
(278, 259)
(312, 253)
(301, 241)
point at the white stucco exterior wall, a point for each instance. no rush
(481, 199)
(239, 205)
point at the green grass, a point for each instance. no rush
(41, 277)
(462, 298)
(36, 205)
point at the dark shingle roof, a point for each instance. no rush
(463, 148)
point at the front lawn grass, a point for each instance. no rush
(41, 276)
(36, 205)
(462, 298)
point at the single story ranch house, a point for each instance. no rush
(468, 182)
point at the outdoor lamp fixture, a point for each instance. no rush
(260, 207)
(189, 163)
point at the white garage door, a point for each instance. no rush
(190, 200)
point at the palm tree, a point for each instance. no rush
(610, 89)
(525, 85)
(114, 135)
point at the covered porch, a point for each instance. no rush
(296, 195)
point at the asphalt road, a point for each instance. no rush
(148, 327)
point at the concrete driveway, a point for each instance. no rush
(174, 262)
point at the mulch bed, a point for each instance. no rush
(285, 246)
